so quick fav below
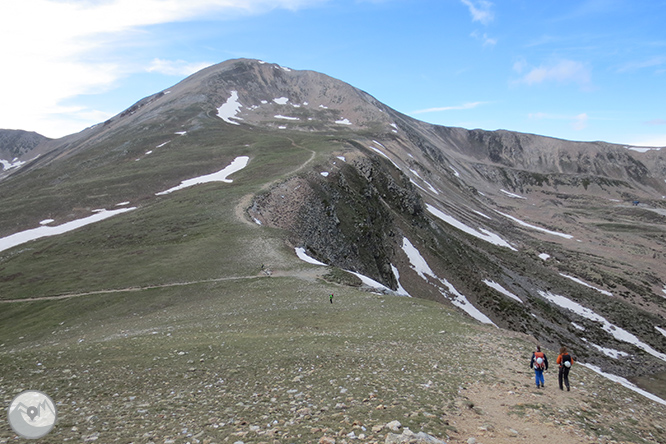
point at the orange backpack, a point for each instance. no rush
(537, 365)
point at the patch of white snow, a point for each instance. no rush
(422, 268)
(618, 333)
(515, 196)
(578, 281)
(343, 121)
(342, 158)
(300, 252)
(401, 291)
(502, 290)
(525, 224)
(544, 256)
(324, 173)
(221, 176)
(46, 230)
(230, 108)
(286, 117)
(660, 330)
(281, 100)
(610, 352)
(46, 221)
(481, 233)
(625, 383)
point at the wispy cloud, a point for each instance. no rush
(656, 122)
(562, 71)
(175, 67)
(481, 10)
(64, 49)
(487, 41)
(469, 105)
(652, 62)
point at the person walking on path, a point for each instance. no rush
(331, 298)
(564, 360)
(539, 363)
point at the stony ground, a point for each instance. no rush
(271, 360)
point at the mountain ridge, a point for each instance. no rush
(391, 181)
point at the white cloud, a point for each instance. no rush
(580, 122)
(54, 50)
(480, 10)
(563, 71)
(487, 41)
(175, 67)
(468, 105)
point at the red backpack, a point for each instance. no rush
(537, 356)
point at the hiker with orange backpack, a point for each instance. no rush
(565, 361)
(539, 363)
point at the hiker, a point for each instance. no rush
(565, 361)
(539, 363)
(331, 298)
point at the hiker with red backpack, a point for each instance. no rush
(539, 363)
(565, 361)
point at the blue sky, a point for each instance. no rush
(578, 70)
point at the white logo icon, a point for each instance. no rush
(32, 414)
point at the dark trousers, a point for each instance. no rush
(563, 376)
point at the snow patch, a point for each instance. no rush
(281, 100)
(578, 281)
(419, 264)
(45, 230)
(612, 353)
(515, 196)
(221, 176)
(162, 144)
(618, 333)
(578, 327)
(525, 224)
(286, 117)
(343, 121)
(642, 149)
(123, 204)
(416, 173)
(7, 165)
(660, 330)
(181, 133)
(342, 158)
(370, 282)
(625, 383)
(544, 256)
(401, 291)
(324, 173)
(46, 221)
(502, 290)
(230, 108)
(455, 172)
(300, 252)
(480, 233)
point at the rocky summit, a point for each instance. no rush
(262, 254)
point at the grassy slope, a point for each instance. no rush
(229, 349)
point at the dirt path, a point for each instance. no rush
(514, 410)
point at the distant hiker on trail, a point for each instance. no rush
(331, 298)
(565, 361)
(539, 363)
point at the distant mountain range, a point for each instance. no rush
(562, 241)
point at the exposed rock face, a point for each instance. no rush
(17, 145)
